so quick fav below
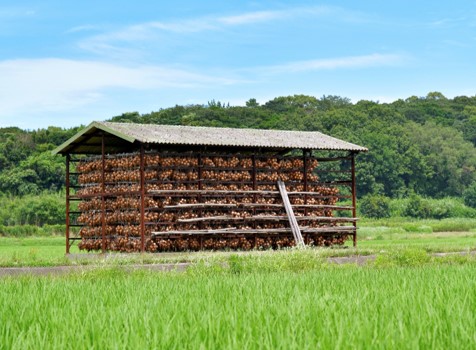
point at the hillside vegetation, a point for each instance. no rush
(419, 146)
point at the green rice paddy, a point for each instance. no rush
(406, 298)
(246, 306)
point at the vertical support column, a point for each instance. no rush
(199, 156)
(253, 174)
(304, 177)
(200, 187)
(304, 173)
(142, 199)
(253, 177)
(68, 184)
(103, 193)
(354, 199)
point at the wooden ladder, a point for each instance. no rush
(292, 219)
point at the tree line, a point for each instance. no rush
(419, 145)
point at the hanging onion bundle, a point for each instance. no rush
(232, 175)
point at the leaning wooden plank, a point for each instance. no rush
(292, 219)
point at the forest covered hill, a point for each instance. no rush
(423, 145)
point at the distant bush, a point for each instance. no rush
(469, 196)
(44, 209)
(453, 225)
(418, 207)
(375, 206)
(426, 208)
(31, 230)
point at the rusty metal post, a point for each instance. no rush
(200, 187)
(199, 156)
(354, 199)
(68, 159)
(142, 199)
(253, 174)
(304, 170)
(255, 196)
(103, 193)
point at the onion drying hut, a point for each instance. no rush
(138, 187)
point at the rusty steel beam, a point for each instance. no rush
(142, 199)
(253, 175)
(199, 158)
(200, 198)
(68, 159)
(103, 199)
(354, 199)
(304, 174)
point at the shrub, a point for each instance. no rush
(417, 207)
(469, 196)
(375, 206)
(45, 209)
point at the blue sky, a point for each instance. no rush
(67, 63)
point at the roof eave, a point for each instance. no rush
(94, 125)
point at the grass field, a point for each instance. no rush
(49, 251)
(374, 236)
(270, 302)
(404, 299)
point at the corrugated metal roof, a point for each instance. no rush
(211, 136)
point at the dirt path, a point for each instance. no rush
(61, 270)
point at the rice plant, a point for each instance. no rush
(247, 304)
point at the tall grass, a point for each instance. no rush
(32, 230)
(390, 307)
(414, 206)
(449, 207)
(402, 225)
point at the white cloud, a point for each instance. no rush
(364, 61)
(126, 43)
(134, 34)
(58, 84)
(16, 12)
(252, 17)
(82, 28)
(286, 13)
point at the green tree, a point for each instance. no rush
(452, 160)
(252, 103)
(469, 196)
(375, 206)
